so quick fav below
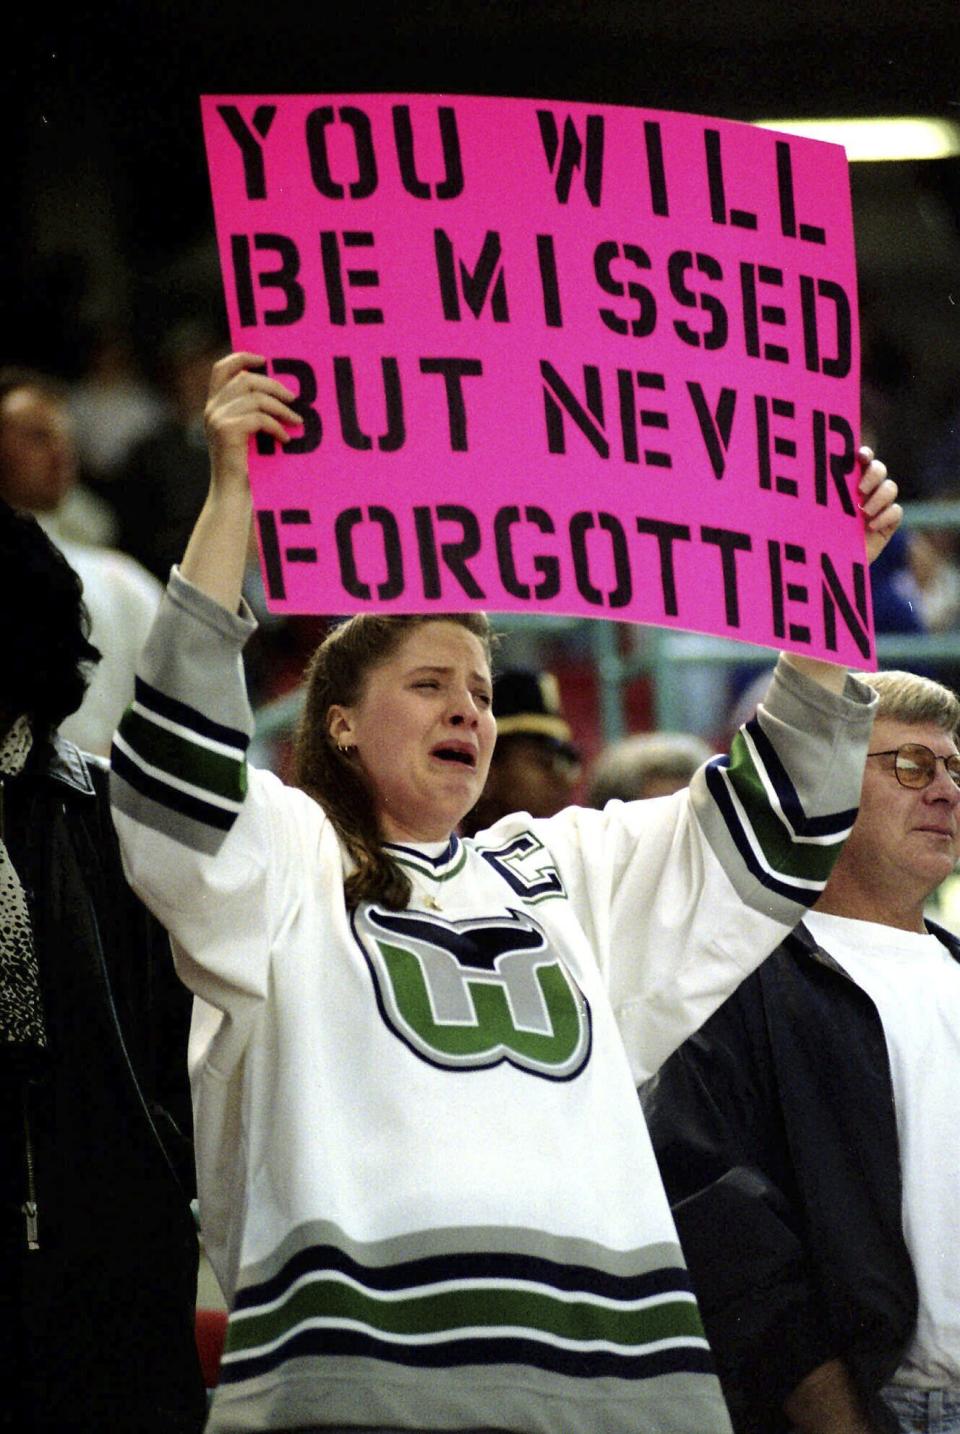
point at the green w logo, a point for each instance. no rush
(470, 994)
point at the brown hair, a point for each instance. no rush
(907, 697)
(336, 675)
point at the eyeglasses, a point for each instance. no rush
(916, 766)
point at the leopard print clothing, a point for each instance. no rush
(21, 1007)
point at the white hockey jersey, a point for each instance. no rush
(425, 1181)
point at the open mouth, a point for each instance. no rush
(463, 756)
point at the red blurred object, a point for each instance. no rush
(211, 1329)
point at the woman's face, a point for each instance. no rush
(424, 731)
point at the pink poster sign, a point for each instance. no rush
(550, 358)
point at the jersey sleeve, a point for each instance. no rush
(206, 840)
(683, 896)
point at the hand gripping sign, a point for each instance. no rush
(550, 358)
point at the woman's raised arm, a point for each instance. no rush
(243, 400)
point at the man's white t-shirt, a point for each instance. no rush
(915, 984)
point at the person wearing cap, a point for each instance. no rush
(535, 763)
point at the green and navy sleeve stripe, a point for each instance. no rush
(177, 770)
(788, 852)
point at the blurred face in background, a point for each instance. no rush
(38, 465)
(529, 774)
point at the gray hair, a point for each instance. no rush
(626, 767)
(907, 697)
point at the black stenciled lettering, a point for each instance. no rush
(270, 549)
(346, 522)
(362, 278)
(838, 365)
(653, 140)
(297, 517)
(854, 614)
(427, 549)
(547, 566)
(243, 280)
(284, 278)
(750, 275)
(580, 525)
(781, 446)
(781, 592)
(645, 320)
(457, 552)
(564, 161)
(559, 398)
(318, 122)
(333, 276)
(716, 425)
(454, 371)
(346, 387)
(304, 404)
(628, 416)
(485, 281)
(678, 265)
(730, 543)
(654, 418)
(666, 535)
(738, 218)
(812, 233)
(270, 546)
(776, 588)
(452, 183)
(837, 466)
(251, 149)
(549, 282)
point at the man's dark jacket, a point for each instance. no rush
(776, 1135)
(98, 1322)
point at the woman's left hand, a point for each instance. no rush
(878, 503)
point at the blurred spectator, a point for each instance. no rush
(933, 553)
(934, 568)
(38, 470)
(535, 764)
(897, 600)
(112, 407)
(164, 480)
(647, 764)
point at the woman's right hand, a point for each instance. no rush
(243, 400)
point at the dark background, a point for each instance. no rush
(107, 207)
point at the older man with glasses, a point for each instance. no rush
(807, 1135)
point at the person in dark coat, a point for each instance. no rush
(807, 1133)
(98, 1249)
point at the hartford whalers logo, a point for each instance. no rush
(469, 994)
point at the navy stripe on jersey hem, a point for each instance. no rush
(412, 1275)
(450, 1354)
(165, 796)
(184, 716)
